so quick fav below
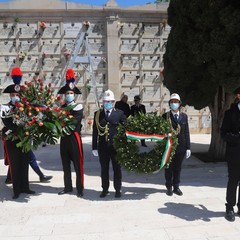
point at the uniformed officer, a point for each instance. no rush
(17, 160)
(105, 125)
(71, 145)
(179, 122)
(137, 108)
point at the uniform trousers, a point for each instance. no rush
(106, 153)
(233, 182)
(173, 172)
(71, 150)
(18, 163)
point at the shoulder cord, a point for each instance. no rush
(101, 130)
(178, 129)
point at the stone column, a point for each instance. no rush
(113, 55)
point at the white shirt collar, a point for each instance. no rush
(173, 113)
(110, 111)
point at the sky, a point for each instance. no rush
(121, 3)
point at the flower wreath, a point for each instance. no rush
(145, 126)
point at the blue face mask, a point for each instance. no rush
(15, 99)
(69, 97)
(174, 106)
(108, 105)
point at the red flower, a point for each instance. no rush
(89, 122)
(50, 85)
(24, 99)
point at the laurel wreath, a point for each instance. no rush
(128, 154)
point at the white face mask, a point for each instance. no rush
(15, 99)
(69, 97)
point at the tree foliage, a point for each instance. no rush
(203, 49)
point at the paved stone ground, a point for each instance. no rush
(143, 212)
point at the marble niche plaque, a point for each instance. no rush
(50, 63)
(30, 63)
(7, 30)
(193, 122)
(101, 78)
(51, 31)
(7, 62)
(29, 45)
(151, 107)
(130, 78)
(27, 30)
(50, 46)
(53, 77)
(5, 80)
(71, 30)
(91, 96)
(97, 62)
(151, 93)
(129, 45)
(151, 30)
(150, 45)
(7, 46)
(131, 92)
(151, 77)
(206, 121)
(97, 29)
(97, 45)
(150, 62)
(130, 61)
(129, 29)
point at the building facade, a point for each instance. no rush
(126, 47)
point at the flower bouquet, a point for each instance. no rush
(39, 116)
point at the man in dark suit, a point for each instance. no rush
(105, 125)
(123, 105)
(230, 132)
(137, 108)
(179, 122)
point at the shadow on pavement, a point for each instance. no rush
(189, 212)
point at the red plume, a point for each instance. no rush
(16, 72)
(70, 74)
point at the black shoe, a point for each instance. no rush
(144, 145)
(8, 181)
(29, 191)
(230, 215)
(104, 194)
(80, 194)
(169, 192)
(118, 194)
(177, 191)
(64, 192)
(45, 178)
(15, 196)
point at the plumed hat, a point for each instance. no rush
(69, 86)
(16, 77)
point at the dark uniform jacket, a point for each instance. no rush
(183, 136)
(137, 109)
(77, 113)
(116, 117)
(230, 132)
(124, 107)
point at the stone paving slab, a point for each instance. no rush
(143, 212)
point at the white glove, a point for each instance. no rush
(95, 153)
(188, 153)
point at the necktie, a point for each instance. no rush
(176, 117)
(107, 114)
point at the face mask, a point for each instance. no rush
(108, 105)
(174, 106)
(15, 99)
(69, 97)
(239, 106)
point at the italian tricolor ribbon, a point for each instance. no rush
(155, 137)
